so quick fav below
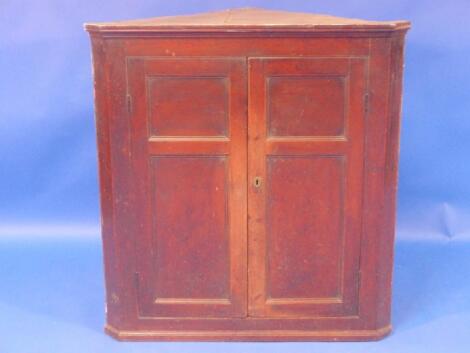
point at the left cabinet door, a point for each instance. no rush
(188, 126)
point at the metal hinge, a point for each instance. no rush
(366, 102)
(136, 280)
(129, 103)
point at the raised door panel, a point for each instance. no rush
(306, 140)
(188, 128)
(189, 201)
(188, 106)
(303, 223)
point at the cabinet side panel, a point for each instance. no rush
(378, 237)
(124, 220)
(386, 247)
(101, 91)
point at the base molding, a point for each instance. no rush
(248, 335)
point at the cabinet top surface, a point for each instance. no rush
(245, 20)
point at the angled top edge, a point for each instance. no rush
(246, 20)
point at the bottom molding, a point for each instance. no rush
(249, 335)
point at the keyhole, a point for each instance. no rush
(257, 182)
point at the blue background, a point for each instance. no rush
(51, 292)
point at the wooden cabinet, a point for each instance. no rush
(248, 171)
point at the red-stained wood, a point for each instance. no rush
(190, 205)
(248, 173)
(305, 220)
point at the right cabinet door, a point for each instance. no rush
(306, 130)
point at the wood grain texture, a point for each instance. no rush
(248, 173)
